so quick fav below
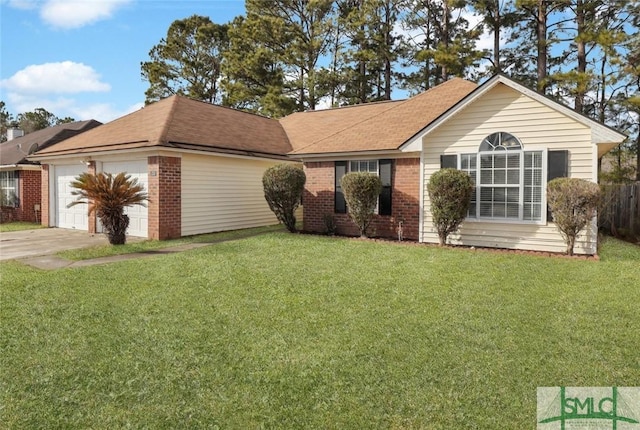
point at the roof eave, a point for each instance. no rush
(320, 156)
(20, 166)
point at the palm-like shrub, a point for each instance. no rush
(450, 192)
(283, 185)
(573, 203)
(107, 195)
(361, 191)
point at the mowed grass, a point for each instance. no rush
(134, 245)
(297, 331)
(19, 226)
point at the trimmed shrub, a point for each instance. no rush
(573, 203)
(450, 192)
(283, 185)
(361, 191)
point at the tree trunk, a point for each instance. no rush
(541, 33)
(445, 35)
(362, 65)
(571, 241)
(115, 226)
(388, 27)
(301, 97)
(602, 103)
(638, 156)
(496, 39)
(582, 57)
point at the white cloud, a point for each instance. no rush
(103, 112)
(64, 106)
(55, 78)
(68, 14)
(63, 89)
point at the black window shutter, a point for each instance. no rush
(449, 161)
(340, 202)
(557, 164)
(384, 208)
(557, 167)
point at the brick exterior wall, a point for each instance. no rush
(29, 192)
(165, 197)
(318, 200)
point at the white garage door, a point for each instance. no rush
(75, 216)
(138, 215)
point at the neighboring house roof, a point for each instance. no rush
(180, 122)
(378, 128)
(15, 151)
(602, 135)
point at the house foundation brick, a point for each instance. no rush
(165, 197)
(318, 199)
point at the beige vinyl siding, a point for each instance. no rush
(223, 193)
(539, 128)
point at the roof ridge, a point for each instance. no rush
(162, 139)
(229, 108)
(357, 105)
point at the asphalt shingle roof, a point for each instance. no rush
(180, 122)
(364, 127)
(16, 150)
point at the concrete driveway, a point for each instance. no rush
(46, 241)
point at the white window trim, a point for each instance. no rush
(13, 192)
(543, 203)
(377, 161)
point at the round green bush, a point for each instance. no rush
(573, 203)
(283, 185)
(361, 191)
(450, 192)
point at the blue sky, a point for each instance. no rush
(81, 58)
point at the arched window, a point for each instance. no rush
(500, 140)
(508, 179)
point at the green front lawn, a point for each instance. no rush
(298, 331)
(134, 245)
(19, 225)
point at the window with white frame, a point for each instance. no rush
(9, 188)
(370, 166)
(508, 180)
(468, 163)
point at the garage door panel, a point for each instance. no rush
(74, 217)
(138, 215)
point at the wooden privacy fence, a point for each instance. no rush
(619, 211)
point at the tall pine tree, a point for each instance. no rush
(187, 61)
